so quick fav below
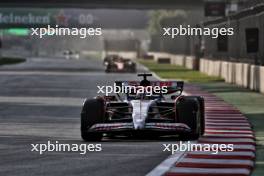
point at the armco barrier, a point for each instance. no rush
(246, 75)
(159, 55)
(241, 74)
(189, 62)
(178, 60)
(148, 57)
(261, 77)
(164, 60)
(254, 78)
(224, 70)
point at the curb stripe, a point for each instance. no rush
(224, 124)
(207, 172)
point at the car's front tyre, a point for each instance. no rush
(92, 113)
(190, 112)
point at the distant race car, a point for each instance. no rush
(115, 63)
(68, 54)
(140, 114)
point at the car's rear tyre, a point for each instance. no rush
(189, 112)
(92, 113)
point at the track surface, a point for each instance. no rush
(41, 100)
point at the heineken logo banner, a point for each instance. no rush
(41, 17)
(105, 18)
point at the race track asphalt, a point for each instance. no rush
(40, 101)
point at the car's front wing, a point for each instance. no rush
(162, 127)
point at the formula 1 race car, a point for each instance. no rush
(141, 114)
(68, 54)
(115, 63)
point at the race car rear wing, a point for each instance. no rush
(172, 86)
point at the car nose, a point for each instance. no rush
(139, 124)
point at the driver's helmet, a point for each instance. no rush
(145, 83)
(119, 59)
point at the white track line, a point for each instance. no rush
(163, 167)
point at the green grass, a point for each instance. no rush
(250, 103)
(178, 72)
(6, 60)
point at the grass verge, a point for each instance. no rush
(6, 60)
(250, 103)
(168, 71)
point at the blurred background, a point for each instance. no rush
(136, 28)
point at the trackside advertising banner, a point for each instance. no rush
(18, 17)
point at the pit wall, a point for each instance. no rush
(242, 74)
